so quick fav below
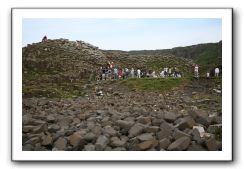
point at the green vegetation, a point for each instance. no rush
(52, 90)
(208, 55)
(151, 84)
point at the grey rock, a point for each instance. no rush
(201, 117)
(119, 149)
(157, 122)
(212, 144)
(89, 147)
(118, 143)
(125, 124)
(216, 128)
(196, 147)
(65, 121)
(136, 130)
(28, 128)
(109, 131)
(147, 145)
(170, 117)
(178, 134)
(90, 137)
(145, 137)
(101, 143)
(144, 120)
(77, 139)
(196, 136)
(33, 140)
(60, 144)
(53, 128)
(152, 129)
(39, 129)
(27, 147)
(164, 143)
(47, 139)
(164, 133)
(186, 122)
(51, 119)
(180, 144)
(97, 130)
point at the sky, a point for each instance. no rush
(125, 34)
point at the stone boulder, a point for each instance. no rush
(180, 144)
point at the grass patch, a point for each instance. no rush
(152, 84)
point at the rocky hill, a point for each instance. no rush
(64, 109)
(64, 60)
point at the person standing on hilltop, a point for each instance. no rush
(44, 39)
(216, 72)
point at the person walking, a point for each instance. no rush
(216, 72)
(138, 73)
(132, 73)
(196, 69)
(116, 73)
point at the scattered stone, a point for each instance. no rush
(101, 143)
(27, 129)
(180, 144)
(200, 130)
(27, 147)
(170, 117)
(39, 129)
(76, 139)
(66, 121)
(90, 137)
(147, 145)
(51, 119)
(178, 134)
(97, 130)
(82, 116)
(89, 147)
(196, 147)
(145, 137)
(144, 120)
(201, 117)
(109, 131)
(164, 133)
(186, 122)
(47, 139)
(196, 136)
(33, 140)
(60, 144)
(125, 124)
(212, 144)
(53, 128)
(136, 130)
(214, 129)
(152, 129)
(164, 144)
(119, 149)
(157, 121)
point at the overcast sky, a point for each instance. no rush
(126, 34)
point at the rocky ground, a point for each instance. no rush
(124, 119)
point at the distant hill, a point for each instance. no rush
(208, 55)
